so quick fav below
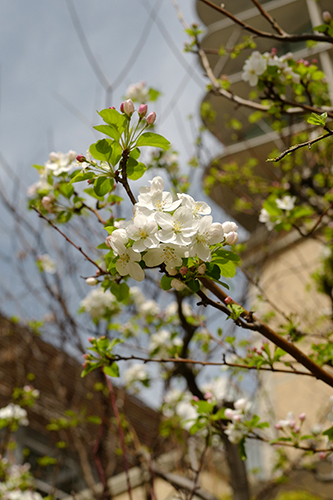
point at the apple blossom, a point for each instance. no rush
(197, 207)
(177, 228)
(138, 92)
(254, 66)
(142, 111)
(170, 255)
(60, 162)
(143, 231)
(128, 263)
(128, 107)
(208, 233)
(286, 203)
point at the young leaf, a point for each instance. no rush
(108, 130)
(154, 140)
(112, 371)
(103, 185)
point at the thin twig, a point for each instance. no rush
(208, 363)
(299, 146)
(69, 240)
(269, 18)
(248, 321)
(285, 37)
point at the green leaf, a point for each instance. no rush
(135, 172)
(108, 130)
(82, 176)
(166, 282)
(92, 193)
(242, 450)
(102, 150)
(94, 419)
(114, 118)
(329, 433)
(135, 153)
(315, 119)
(66, 190)
(103, 185)
(204, 407)
(120, 291)
(228, 270)
(112, 371)
(193, 285)
(154, 140)
(213, 271)
(225, 254)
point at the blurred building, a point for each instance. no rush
(286, 262)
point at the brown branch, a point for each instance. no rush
(123, 179)
(284, 37)
(69, 240)
(269, 18)
(291, 445)
(208, 363)
(248, 321)
(94, 211)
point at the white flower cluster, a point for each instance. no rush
(136, 373)
(235, 429)
(166, 230)
(179, 402)
(46, 264)
(286, 203)
(138, 92)
(98, 303)
(257, 64)
(57, 164)
(14, 413)
(16, 482)
(162, 342)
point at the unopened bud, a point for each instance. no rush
(231, 238)
(327, 16)
(151, 118)
(86, 356)
(112, 107)
(321, 455)
(80, 158)
(302, 416)
(278, 426)
(195, 398)
(228, 300)
(47, 203)
(91, 281)
(108, 240)
(229, 226)
(142, 111)
(297, 429)
(91, 339)
(273, 51)
(128, 107)
(229, 413)
(183, 270)
(202, 269)
(122, 107)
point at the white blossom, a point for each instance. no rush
(46, 264)
(177, 228)
(14, 413)
(265, 218)
(138, 92)
(162, 342)
(98, 303)
(128, 263)
(254, 66)
(61, 162)
(286, 203)
(208, 233)
(148, 307)
(170, 255)
(136, 373)
(143, 232)
(197, 207)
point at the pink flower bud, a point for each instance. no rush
(297, 429)
(292, 424)
(122, 107)
(202, 269)
(327, 16)
(108, 240)
(195, 398)
(302, 416)
(47, 203)
(91, 339)
(321, 455)
(228, 300)
(183, 270)
(208, 395)
(142, 111)
(278, 426)
(85, 356)
(273, 51)
(237, 418)
(128, 107)
(151, 118)
(112, 107)
(231, 238)
(85, 364)
(80, 158)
